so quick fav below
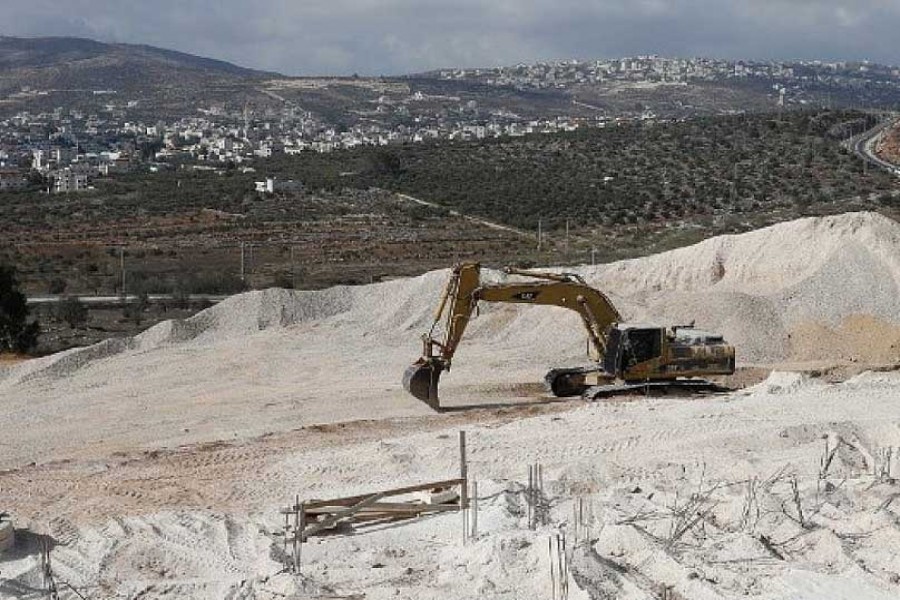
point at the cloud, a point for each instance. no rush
(401, 36)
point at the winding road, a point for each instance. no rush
(864, 146)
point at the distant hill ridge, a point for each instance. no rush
(74, 62)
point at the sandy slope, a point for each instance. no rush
(195, 522)
(276, 360)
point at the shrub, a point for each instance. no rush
(17, 333)
(57, 285)
(72, 311)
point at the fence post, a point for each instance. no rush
(300, 527)
(464, 486)
(529, 496)
(474, 509)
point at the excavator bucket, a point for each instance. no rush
(421, 380)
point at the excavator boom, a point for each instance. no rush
(461, 296)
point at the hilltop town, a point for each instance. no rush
(108, 131)
(794, 76)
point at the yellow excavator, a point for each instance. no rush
(625, 357)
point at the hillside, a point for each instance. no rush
(889, 146)
(179, 83)
(43, 73)
(627, 191)
(34, 53)
(82, 63)
(631, 188)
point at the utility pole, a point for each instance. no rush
(567, 235)
(242, 261)
(781, 92)
(734, 183)
(539, 235)
(593, 256)
(122, 268)
(666, 183)
(293, 275)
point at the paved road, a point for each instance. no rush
(129, 299)
(864, 146)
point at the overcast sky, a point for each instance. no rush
(310, 37)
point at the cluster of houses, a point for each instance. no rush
(560, 74)
(66, 170)
(195, 139)
(69, 148)
(61, 151)
(64, 150)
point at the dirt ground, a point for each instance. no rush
(144, 482)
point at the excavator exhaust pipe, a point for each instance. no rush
(421, 380)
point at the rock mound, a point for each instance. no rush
(823, 289)
(812, 289)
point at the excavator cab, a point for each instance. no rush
(629, 347)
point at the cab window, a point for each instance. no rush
(643, 345)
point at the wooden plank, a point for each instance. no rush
(389, 507)
(365, 519)
(352, 500)
(371, 513)
(368, 518)
(417, 506)
(337, 516)
(360, 518)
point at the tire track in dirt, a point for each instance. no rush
(222, 476)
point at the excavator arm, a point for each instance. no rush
(464, 291)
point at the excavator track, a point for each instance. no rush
(693, 386)
(567, 382)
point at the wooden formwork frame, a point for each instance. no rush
(304, 519)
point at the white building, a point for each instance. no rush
(39, 161)
(67, 181)
(272, 185)
(266, 187)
